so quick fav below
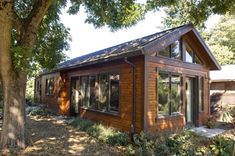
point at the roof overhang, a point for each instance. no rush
(171, 37)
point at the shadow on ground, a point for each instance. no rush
(48, 136)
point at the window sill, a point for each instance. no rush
(117, 114)
(49, 94)
(169, 116)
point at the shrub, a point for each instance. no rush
(38, 111)
(185, 143)
(102, 133)
(211, 122)
(222, 146)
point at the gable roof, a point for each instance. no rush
(140, 46)
(225, 74)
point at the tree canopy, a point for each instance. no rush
(221, 40)
(191, 11)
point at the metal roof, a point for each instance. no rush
(131, 48)
(118, 50)
(227, 73)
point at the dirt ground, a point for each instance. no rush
(52, 137)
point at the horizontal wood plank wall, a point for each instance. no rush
(51, 101)
(123, 120)
(155, 124)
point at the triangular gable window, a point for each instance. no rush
(190, 55)
(178, 49)
(172, 51)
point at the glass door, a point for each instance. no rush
(189, 89)
(75, 86)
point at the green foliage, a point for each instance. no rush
(222, 146)
(115, 14)
(39, 111)
(30, 90)
(221, 40)
(102, 133)
(191, 11)
(185, 143)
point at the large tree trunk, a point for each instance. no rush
(13, 132)
(13, 85)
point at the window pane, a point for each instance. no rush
(189, 55)
(197, 60)
(49, 86)
(83, 91)
(175, 94)
(201, 88)
(175, 50)
(92, 93)
(114, 91)
(104, 92)
(163, 93)
(165, 52)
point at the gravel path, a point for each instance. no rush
(52, 137)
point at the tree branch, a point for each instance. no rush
(17, 22)
(39, 10)
(33, 20)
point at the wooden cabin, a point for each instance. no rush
(222, 88)
(150, 84)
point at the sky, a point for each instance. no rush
(87, 39)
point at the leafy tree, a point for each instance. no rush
(191, 11)
(221, 40)
(32, 36)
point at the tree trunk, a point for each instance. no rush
(13, 85)
(13, 132)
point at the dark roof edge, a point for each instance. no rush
(179, 31)
(217, 66)
(136, 52)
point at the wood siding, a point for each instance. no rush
(153, 123)
(50, 101)
(122, 121)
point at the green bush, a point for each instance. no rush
(102, 133)
(38, 111)
(222, 146)
(183, 144)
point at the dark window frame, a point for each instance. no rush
(169, 93)
(107, 109)
(182, 51)
(48, 91)
(194, 55)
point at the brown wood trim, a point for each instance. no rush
(166, 40)
(146, 76)
(215, 63)
(174, 62)
(101, 112)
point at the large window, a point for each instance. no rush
(176, 51)
(114, 92)
(169, 93)
(100, 92)
(190, 55)
(49, 86)
(103, 92)
(172, 51)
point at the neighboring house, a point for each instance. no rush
(222, 87)
(153, 83)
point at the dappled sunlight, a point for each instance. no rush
(51, 136)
